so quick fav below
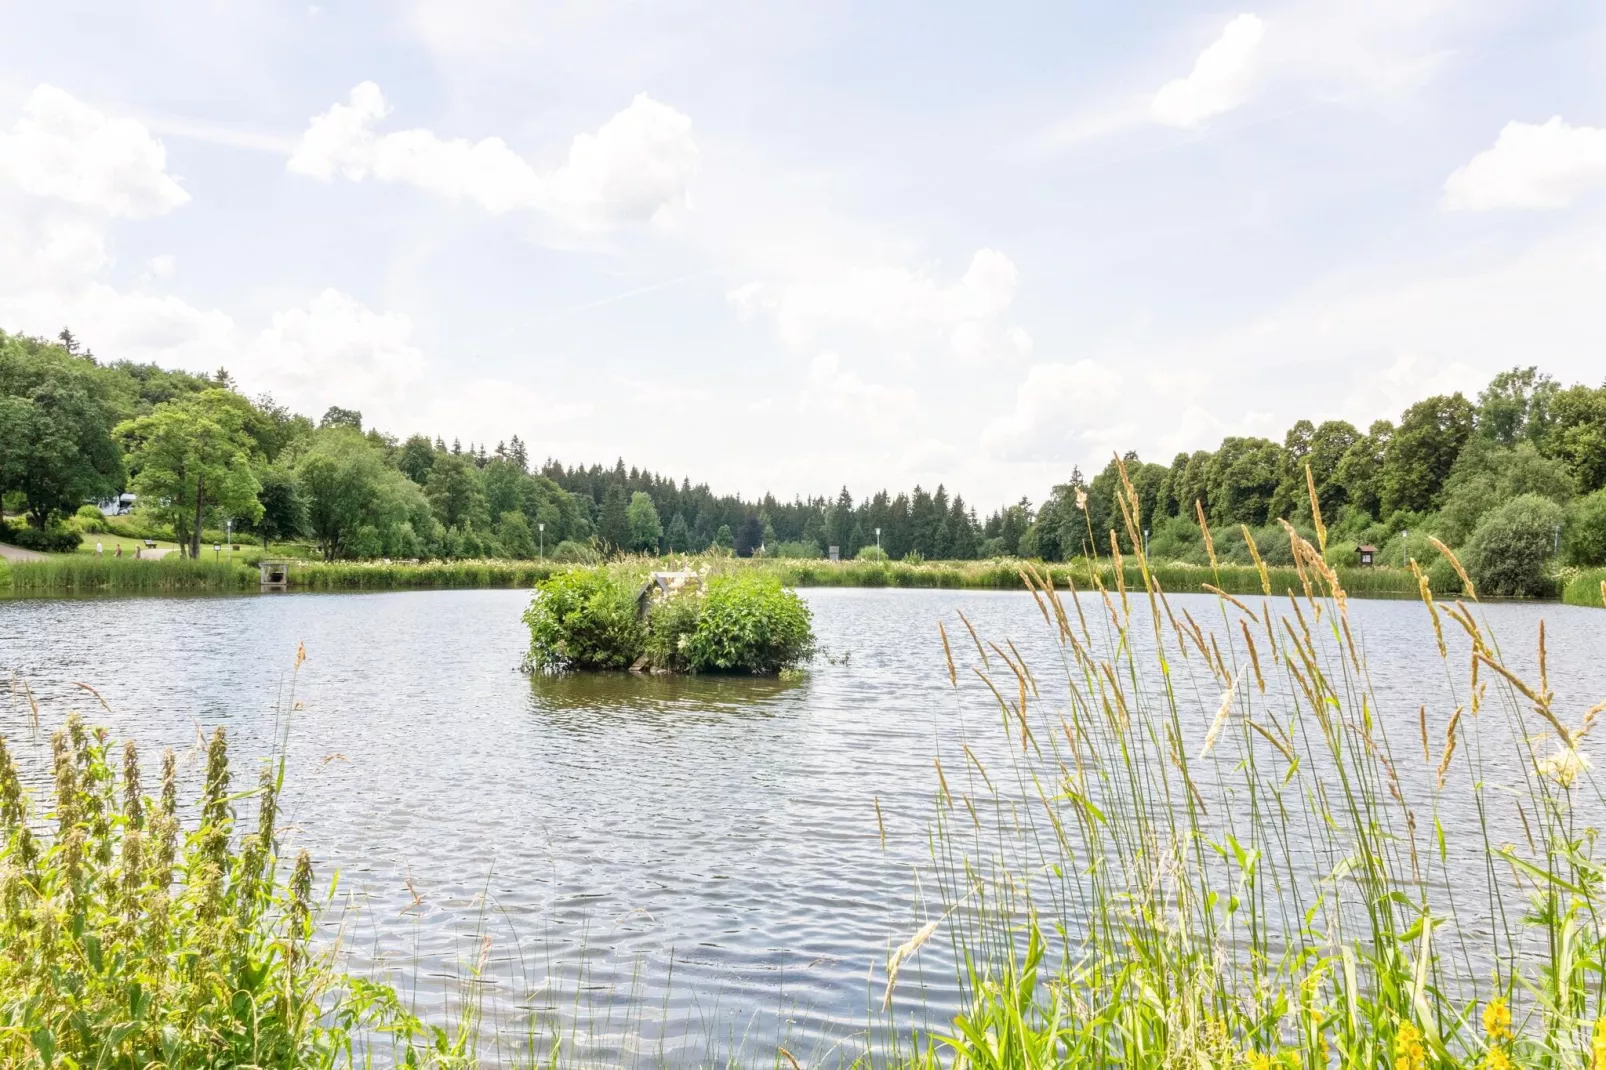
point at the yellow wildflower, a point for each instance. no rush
(1409, 1052)
(1497, 1059)
(1497, 1021)
(1597, 1046)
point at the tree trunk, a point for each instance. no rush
(195, 536)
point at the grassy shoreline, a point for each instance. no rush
(80, 574)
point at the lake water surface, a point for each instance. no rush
(701, 852)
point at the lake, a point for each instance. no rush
(698, 862)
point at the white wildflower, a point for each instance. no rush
(1564, 766)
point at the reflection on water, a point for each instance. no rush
(700, 858)
(661, 692)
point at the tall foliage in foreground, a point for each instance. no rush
(1298, 880)
(128, 940)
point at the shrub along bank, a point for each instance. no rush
(602, 618)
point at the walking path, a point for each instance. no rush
(17, 553)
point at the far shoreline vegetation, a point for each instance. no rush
(1514, 482)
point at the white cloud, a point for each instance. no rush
(899, 306)
(1061, 410)
(1220, 80)
(840, 390)
(337, 350)
(162, 267)
(636, 168)
(1548, 165)
(65, 149)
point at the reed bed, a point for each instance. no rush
(351, 575)
(1214, 848)
(1588, 588)
(78, 573)
(1005, 574)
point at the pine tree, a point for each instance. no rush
(613, 526)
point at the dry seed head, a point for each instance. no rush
(1316, 508)
(1204, 529)
(1455, 563)
(1449, 746)
(904, 951)
(1254, 655)
(1220, 720)
(948, 655)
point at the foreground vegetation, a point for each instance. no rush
(128, 940)
(1305, 878)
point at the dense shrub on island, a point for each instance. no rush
(612, 618)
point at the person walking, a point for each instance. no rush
(100, 548)
(119, 552)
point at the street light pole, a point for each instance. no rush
(1405, 547)
(228, 537)
(878, 544)
(540, 525)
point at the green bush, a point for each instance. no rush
(577, 553)
(55, 539)
(585, 619)
(90, 518)
(1585, 536)
(749, 623)
(1511, 547)
(870, 553)
(808, 550)
(671, 622)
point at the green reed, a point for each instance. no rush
(1588, 588)
(1286, 887)
(83, 572)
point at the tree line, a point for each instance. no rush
(74, 429)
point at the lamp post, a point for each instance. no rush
(540, 525)
(1405, 547)
(228, 537)
(878, 544)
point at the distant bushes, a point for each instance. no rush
(600, 619)
(1510, 549)
(53, 539)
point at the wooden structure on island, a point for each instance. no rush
(1367, 553)
(275, 575)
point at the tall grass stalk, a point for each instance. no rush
(1215, 848)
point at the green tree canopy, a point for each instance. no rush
(356, 504)
(191, 460)
(641, 516)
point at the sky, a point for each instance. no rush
(790, 246)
